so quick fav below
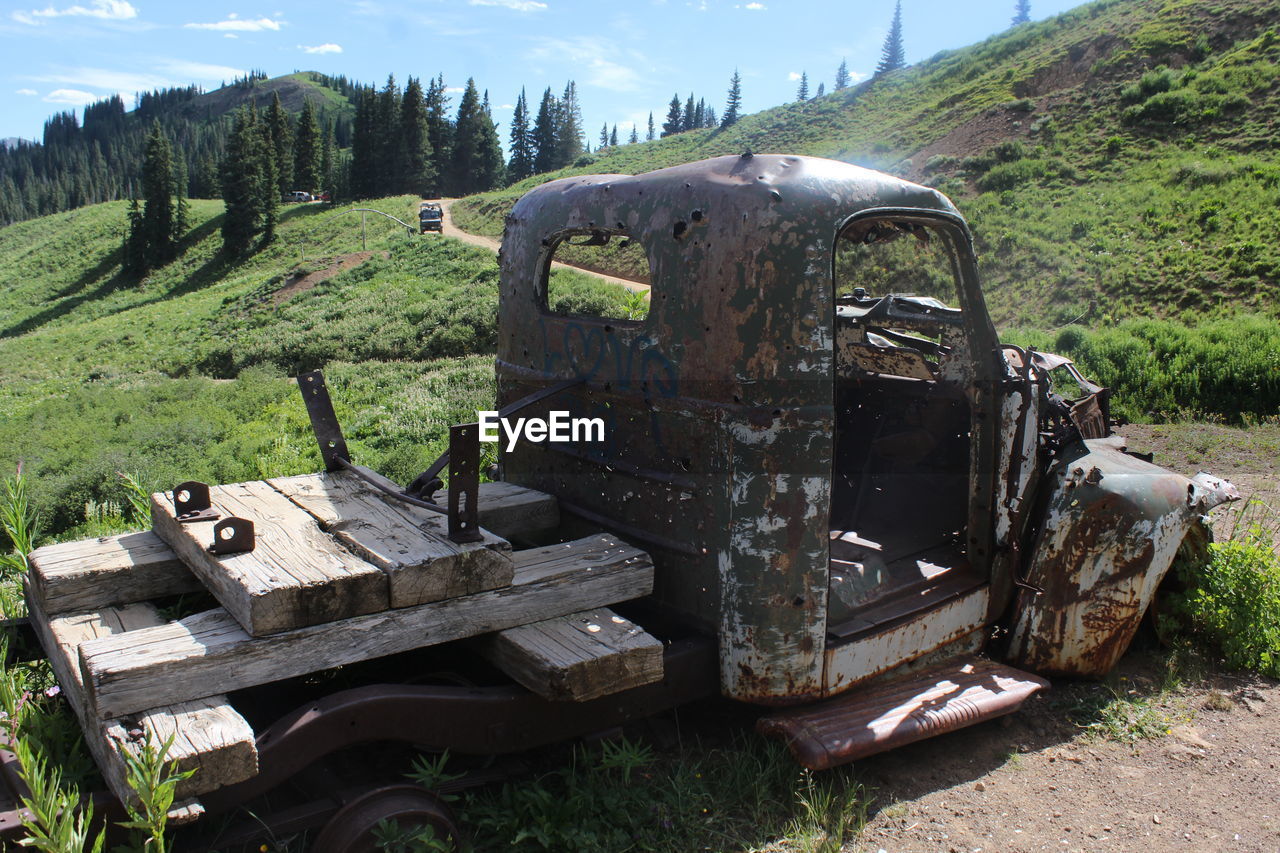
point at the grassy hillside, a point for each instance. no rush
(1115, 161)
(100, 373)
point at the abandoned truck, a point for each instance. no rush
(823, 488)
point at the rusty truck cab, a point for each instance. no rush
(810, 460)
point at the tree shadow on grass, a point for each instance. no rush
(120, 279)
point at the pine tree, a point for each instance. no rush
(241, 180)
(674, 122)
(280, 129)
(544, 134)
(842, 76)
(268, 195)
(364, 146)
(439, 128)
(604, 135)
(157, 196)
(893, 55)
(650, 136)
(417, 168)
(613, 136)
(135, 242)
(387, 139)
(520, 166)
(734, 104)
(477, 156)
(635, 135)
(1021, 12)
(710, 118)
(822, 90)
(568, 127)
(308, 150)
(802, 94)
(181, 210)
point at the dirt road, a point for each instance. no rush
(494, 244)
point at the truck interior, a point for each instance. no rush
(901, 468)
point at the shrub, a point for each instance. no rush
(1233, 603)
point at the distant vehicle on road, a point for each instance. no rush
(298, 195)
(430, 217)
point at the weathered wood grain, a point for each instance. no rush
(296, 575)
(577, 657)
(211, 652)
(209, 736)
(410, 544)
(107, 571)
(512, 512)
(516, 512)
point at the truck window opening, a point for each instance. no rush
(572, 292)
(901, 470)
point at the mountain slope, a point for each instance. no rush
(1099, 183)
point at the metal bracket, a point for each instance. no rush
(324, 423)
(232, 535)
(191, 502)
(464, 483)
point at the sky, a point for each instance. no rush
(627, 58)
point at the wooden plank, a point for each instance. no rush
(209, 736)
(211, 652)
(296, 575)
(410, 544)
(577, 657)
(107, 571)
(510, 511)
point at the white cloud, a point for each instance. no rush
(230, 36)
(70, 96)
(102, 78)
(505, 107)
(793, 75)
(239, 25)
(517, 5)
(327, 47)
(857, 76)
(106, 10)
(596, 56)
(186, 71)
(455, 90)
(26, 92)
(755, 7)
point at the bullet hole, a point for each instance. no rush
(696, 216)
(608, 329)
(679, 230)
(798, 601)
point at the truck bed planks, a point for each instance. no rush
(109, 570)
(296, 575)
(210, 652)
(408, 543)
(578, 657)
(209, 736)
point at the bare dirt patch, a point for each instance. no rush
(1150, 760)
(1044, 779)
(300, 281)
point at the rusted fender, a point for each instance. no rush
(1111, 527)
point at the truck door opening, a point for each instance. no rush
(901, 468)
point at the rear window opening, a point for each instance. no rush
(624, 296)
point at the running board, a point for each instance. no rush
(883, 716)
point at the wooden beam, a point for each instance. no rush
(296, 574)
(581, 656)
(211, 652)
(510, 511)
(107, 571)
(410, 544)
(209, 736)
